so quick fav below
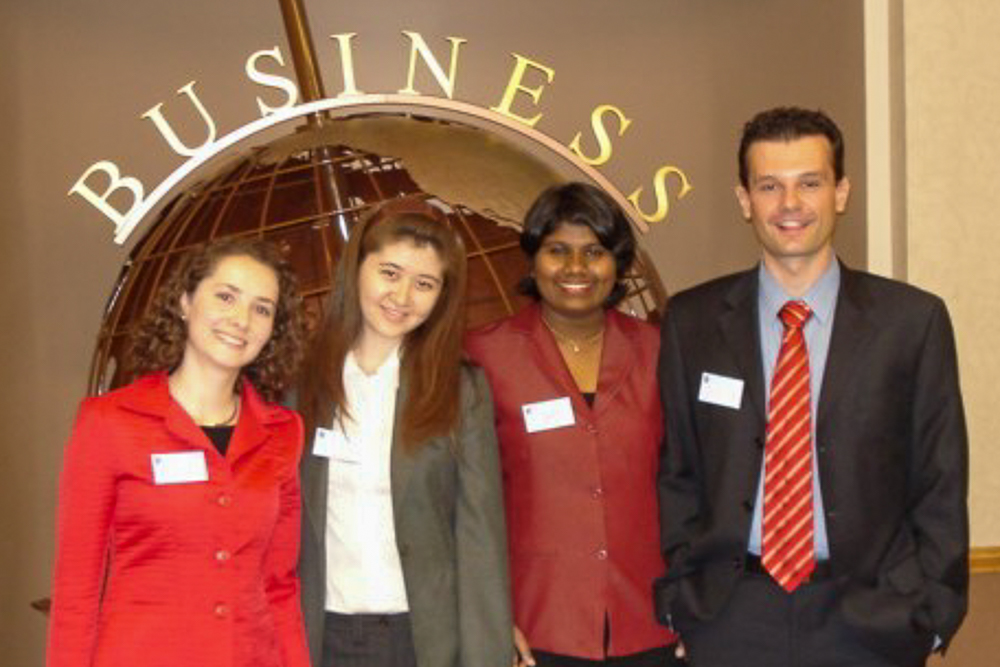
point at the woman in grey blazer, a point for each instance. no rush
(404, 560)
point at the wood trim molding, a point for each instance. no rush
(984, 559)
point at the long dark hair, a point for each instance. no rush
(431, 354)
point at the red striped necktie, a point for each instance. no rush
(788, 551)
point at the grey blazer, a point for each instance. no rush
(448, 514)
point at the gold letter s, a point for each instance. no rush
(601, 133)
(660, 186)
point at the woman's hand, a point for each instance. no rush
(679, 651)
(522, 651)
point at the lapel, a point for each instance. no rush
(618, 357)
(400, 461)
(150, 395)
(740, 329)
(545, 355)
(315, 478)
(853, 327)
(253, 427)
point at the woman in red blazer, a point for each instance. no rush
(579, 423)
(178, 526)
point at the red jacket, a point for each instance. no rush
(580, 500)
(200, 573)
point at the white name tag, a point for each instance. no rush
(721, 390)
(179, 468)
(547, 415)
(332, 443)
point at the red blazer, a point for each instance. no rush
(181, 574)
(580, 500)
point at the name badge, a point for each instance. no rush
(547, 415)
(179, 468)
(332, 443)
(721, 390)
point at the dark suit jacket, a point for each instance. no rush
(448, 515)
(891, 447)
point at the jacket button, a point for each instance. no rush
(602, 554)
(222, 555)
(224, 500)
(591, 429)
(221, 610)
(597, 493)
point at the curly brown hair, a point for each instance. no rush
(158, 342)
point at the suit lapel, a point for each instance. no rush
(852, 328)
(546, 355)
(618, 358)
(401, 462)
(315, 480)
(740, 329)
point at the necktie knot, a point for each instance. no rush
(794, 314)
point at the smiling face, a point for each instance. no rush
(398, 287)
(230, 314)
(574, 272)
(793, 199)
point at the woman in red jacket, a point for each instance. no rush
(178, 528)
(579, 422)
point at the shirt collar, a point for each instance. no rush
(389, 370)
(821, 297)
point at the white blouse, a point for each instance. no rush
(363, 571)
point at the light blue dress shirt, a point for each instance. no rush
(822, 300)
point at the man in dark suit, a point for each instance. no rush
(814, 475)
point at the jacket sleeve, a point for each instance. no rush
(281, 561)
(484, 613)
(87, 496)
(679, 477)
(939, 474)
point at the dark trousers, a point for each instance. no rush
(368, 640)
(764, 626)
(660, 657)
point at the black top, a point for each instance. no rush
(220, 436)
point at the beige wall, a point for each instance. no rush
(953, 198)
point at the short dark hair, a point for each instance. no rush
(579, 204)
(787, 124)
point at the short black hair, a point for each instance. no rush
(579, 204)
(787, 124)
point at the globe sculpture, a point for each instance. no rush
(306, 190)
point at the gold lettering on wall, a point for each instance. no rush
(115, 183)
(515, 85)
(660, 189)
(528, 79)
(346, 50)
(601, 134)
(168, 133)
(419, 47)
(272, 80)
